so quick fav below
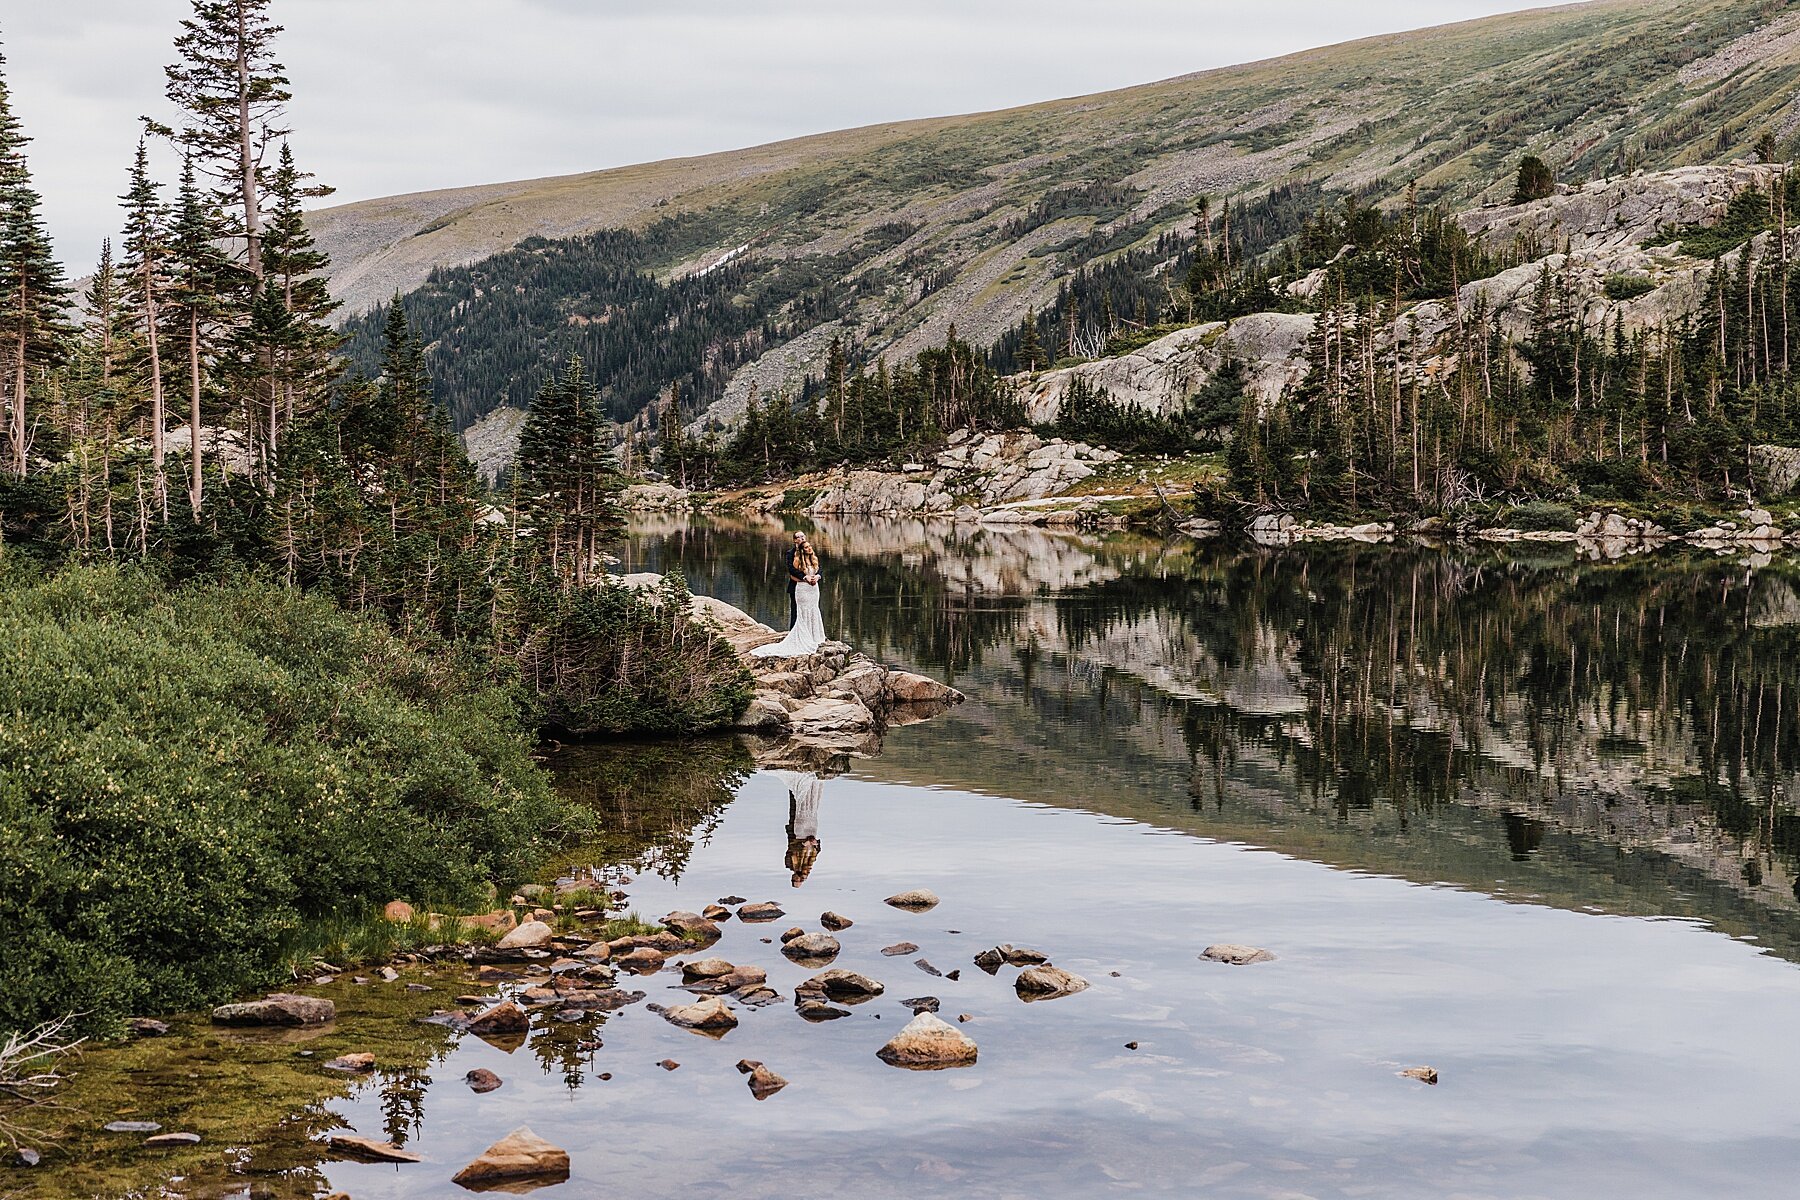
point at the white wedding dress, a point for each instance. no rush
(808, 633)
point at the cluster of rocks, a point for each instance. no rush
(835, 698)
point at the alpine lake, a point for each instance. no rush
(1521, 816)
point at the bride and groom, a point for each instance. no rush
(806, 631)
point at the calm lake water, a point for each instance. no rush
(1524, 819)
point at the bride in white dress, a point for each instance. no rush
(808, 633)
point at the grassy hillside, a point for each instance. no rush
(971, 220)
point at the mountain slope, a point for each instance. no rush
(972, 220)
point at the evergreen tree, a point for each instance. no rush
(32, 290)
(567, 477)
(300, 363)
(233, 98)
(200, 276)
(1536, 181)
(1029, 351)
(146, 269)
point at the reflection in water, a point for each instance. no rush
(805, 790)
(1620, 734)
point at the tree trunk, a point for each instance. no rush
(195, 488)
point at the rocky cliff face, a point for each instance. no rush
(1172, 370)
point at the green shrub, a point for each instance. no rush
(1620, 286)
(189, 775)
(1541, 516)
(613, 659)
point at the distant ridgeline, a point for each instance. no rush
(1077, 217)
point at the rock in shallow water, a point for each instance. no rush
(131, 1127)
(812, 949)
(481, 1081)
(1010, 956)
(520, 1155)
(1047, 983)
(900, 949)
(917, 900)
(1422, 1074)
(766, 910)
(281, 1008)
(362, 1149)
(532, 935)
(928, 1044)
(706, 1016)
(504, 1017)
(1237, 956)
(844, 986)
(169, 1140)
(356, 1064)
(835, 922)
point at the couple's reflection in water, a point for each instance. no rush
(802, 770)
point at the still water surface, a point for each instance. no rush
(1525, 820)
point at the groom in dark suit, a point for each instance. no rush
(795, 576)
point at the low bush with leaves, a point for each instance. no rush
(190, 775)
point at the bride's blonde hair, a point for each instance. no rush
(807, 559)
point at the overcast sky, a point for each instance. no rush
(407, 95)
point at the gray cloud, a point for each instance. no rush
(408, 95)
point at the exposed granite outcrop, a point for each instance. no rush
(835, 698)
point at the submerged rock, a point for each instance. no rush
(641, 961)
(917, 900)
(358, 1064)
(169, 1140)
(362, 1149)
(481, 1081)
(147, 1027)
(131, 1127)
(1047, 983)
(281, 1008)
(900, 949)
(520, 1155)
(1237, 956)
(928, 1044)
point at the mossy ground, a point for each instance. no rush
(257, 1100)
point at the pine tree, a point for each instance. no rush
(1536, 181)
(1029, 349)
(32, 290)
(233, 97)
(146, 271)
(567, 477)
(201, 275)
(299, 364)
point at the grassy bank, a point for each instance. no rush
(191, 775)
